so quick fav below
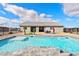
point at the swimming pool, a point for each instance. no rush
(66, 44)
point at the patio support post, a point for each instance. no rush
(3, 30)
(24, 31)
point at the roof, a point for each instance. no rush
(40, 24)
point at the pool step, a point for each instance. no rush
(18, 38)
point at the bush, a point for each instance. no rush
(48, 31)
(10, 32)
(29, 33)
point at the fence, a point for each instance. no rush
(6, 30)
(71, 30)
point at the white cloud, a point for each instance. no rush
(71, 9)
(8, 22)
(42, 15)
(45, 15)
(31, 13)
(26, 14)
(14, 9)
(19, 11)
(3, 20)
(14, 21)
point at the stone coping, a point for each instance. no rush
(36, 51)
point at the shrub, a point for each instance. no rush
(48, 31)
(10, 32)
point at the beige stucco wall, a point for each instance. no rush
(47, 29)
(37, 29)
(58, 29)
(28, 29)
(21, 28)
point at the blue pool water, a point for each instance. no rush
(66, 44)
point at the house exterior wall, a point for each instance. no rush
(58, 29)
(37, 29)
(28, 30)
(21, 29)
(46, 29)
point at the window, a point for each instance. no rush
(33, 29)
(51, 27)
(41, 29)
(25, 27)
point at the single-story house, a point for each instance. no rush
(52, 27)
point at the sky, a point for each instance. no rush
(11, 14)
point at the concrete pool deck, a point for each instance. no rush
(61, 34)
(10, 35)
(41, 34)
